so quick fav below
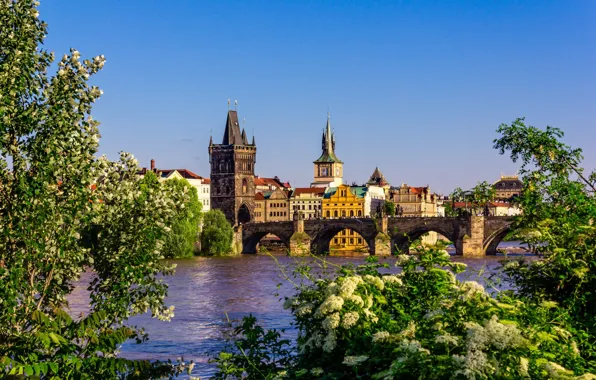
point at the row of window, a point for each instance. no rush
(343, 213)
(345, 241)
(278, 205)
(206, 202)
(278, 213)
(310, 207)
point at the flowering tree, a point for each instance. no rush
(62, 212)
(422, 323)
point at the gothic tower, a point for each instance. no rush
(328, 168)
(233, 173)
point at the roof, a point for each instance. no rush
(309, 190)
(508, 183)
(232, 133)
(206, 181)
(328, 146)
(271, 182)
(377, 178)
(185, 173)
(358, 191)
(491, 204)
(259, 196)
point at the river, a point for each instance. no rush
(207, 291)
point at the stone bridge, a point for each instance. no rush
(472, 236)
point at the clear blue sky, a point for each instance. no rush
(414, 87)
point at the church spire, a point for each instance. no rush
(328, 144)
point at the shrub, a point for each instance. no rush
(217, 234)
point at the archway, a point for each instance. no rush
(244, 214)
(264, 241)
(420, 237)
(507, 236)
(341, 240)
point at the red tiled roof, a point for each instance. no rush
(309, 190)
(491, 204)
(206, 181)
(259, 197)
(185, 173)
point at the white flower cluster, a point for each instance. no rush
(403, 259)
(331, 322)
(391, 279)
(349, 319)
(447, 339)
(381, 336)
(472, 289)
(331, 304)
(354, 360)
(375, 281)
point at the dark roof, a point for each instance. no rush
(377, 178)
(185, 173)
(512, 183)
(232, 135)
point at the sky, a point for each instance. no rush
(417, 88)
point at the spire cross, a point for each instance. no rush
(228, 104)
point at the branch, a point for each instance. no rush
(579, 174)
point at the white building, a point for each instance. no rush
(203, 185)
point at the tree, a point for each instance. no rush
(389, 208)
(559, 211)
(180, 242)
(62, 212)
(217, 234)
(476, 199)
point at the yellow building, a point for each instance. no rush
(345, 202)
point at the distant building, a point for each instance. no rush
(508, 187)
(345, 202)
(328, 168)
(233, 173)
(494, 208)
(308, 201)
(270, 184)
(203, 185)
(414, 201)
(377, 190)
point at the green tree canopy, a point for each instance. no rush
(217, 234)
(180, 241)
(63, 211)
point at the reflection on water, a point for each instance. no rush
(205, 290)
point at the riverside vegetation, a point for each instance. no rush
(423, 323)
(64, 211)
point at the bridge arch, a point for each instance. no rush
(322, 239)
(401, 242)
(252, 234)
(491, 242)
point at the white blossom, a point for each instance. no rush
(349, 319)
(392, 280)
(447, 339)
(331, 322)
(381, 336)
(354, 360)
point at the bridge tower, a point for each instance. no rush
(233, 173)
(329, 170)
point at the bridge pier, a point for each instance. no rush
(382, 242)
(300, 241)
(472, 243)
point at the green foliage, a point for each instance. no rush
(63, 212)
(256, 353)
(476, 199)
(422, 323)
(217, 234)
(180, 241)
(389, 208)
(559, 210)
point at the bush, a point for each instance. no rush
(181, 240)
(217, 234)
(421, 324)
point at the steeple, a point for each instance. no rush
(244, 139)
(253, 140)
(328, 144)
(232, 135)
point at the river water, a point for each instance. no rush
(208, 291)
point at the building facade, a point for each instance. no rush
(345, 202)
(308, 201)
(203, 185)
(328, 169)
(233, 173)
(507, 187)
(414, 201)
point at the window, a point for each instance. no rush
(343, 240)
(328, 214)
(335, 213)
(343, 213)
(351, 240)
(359, 212)
(351, 212)
(359, 240)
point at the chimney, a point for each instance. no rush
(152, 165)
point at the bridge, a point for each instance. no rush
(472, 235)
